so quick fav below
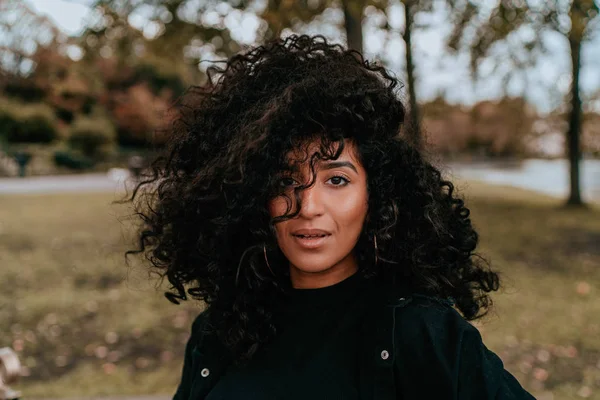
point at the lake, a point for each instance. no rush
(545, 176)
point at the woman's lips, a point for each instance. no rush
(311, 242)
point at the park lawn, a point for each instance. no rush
(86, 324)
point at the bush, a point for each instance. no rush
(25, 90)
(35, 129)
(91, 135)
(27, 123)
(8, 123)
(73, 161)
(157, 79)
(141, 117)
(65, 115)
(88, 105)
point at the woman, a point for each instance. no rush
(332, 257)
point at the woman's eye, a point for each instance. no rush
(335, 181)
(339, 181)
(285, 182)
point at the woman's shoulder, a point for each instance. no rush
(417, 321)
(411, 321)
(199, 327)
(422, 301)
(416, 314)
(413, 304)
(424, 307)
(200, 321)
(203, 340)
(432, 337)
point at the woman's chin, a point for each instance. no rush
(312, 267)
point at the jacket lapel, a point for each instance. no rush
(209, 356)
(376, 373)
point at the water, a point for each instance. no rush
(550, 177)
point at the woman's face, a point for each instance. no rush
(319, 241)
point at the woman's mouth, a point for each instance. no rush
(311, 241)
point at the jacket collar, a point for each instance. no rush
(376, 376)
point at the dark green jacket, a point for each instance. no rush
(415, 347)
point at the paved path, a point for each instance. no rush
(113, 181)
(107, 398)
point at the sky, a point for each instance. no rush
(437, 71)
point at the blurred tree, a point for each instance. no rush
(144, 53)
(139, 115)
(411, 8)
(22, 127)
(182, 29)
(575, 20)
(22, 34)
(177, 32)
(35, 68)
(171, 35)
(22, 31)
(447, 126)
(92, 136)
(591, 133)
(504, 124)
(281, 14)
(488, 129)
(63, 82)
(28, 123)
(354, 11)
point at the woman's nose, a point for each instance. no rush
(311, 202)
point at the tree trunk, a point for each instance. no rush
(353, 16)
(414, 128)
(573, 143)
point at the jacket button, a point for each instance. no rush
(385, 355)
(205, 372)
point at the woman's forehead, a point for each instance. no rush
(303, 153)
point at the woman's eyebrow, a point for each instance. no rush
(338, 164)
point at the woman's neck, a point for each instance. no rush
(313, 280)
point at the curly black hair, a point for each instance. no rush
(205, 220)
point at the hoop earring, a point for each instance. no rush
(267, 260)
(375, 243)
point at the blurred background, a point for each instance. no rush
(507, 97)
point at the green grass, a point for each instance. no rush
(85, 324)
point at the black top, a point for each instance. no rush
(412, 346)
(315, 353)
